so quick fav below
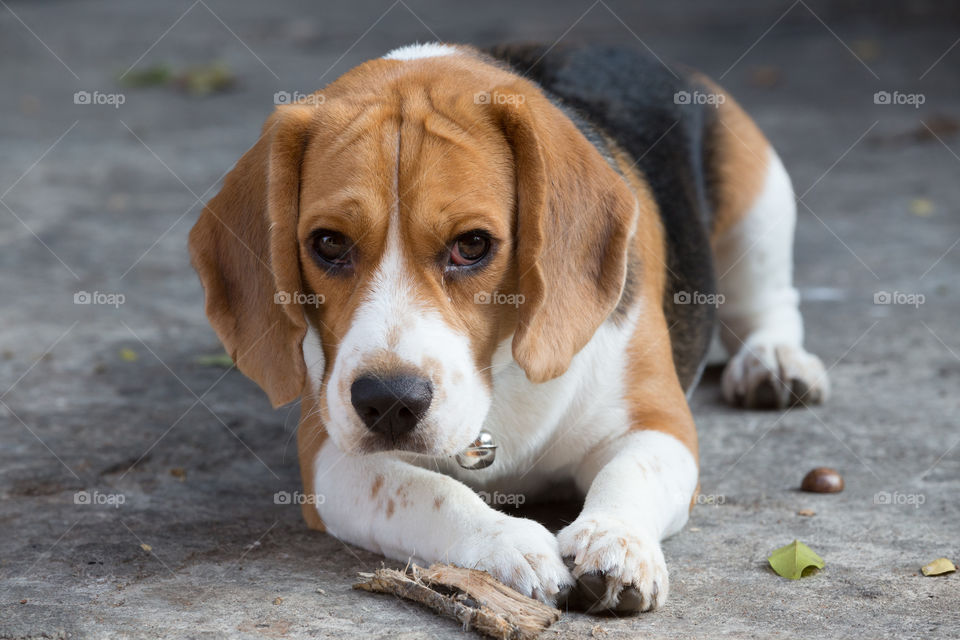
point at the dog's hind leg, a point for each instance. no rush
(760, 323)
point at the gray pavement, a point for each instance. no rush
(115, 401)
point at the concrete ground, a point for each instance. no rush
(118, 403)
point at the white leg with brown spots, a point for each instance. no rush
(405, 512)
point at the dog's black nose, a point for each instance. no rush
(391, 406)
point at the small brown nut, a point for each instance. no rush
(822, 480)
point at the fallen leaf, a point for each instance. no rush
(938, 567)
(921, 207)
(128, 355)
(179, 472)
(146, 547)
(277, 600)
(215, 360)
(117, 202)
(807, 513)
(206, 79)
(152, 76)
(795, 560)
(867, 50)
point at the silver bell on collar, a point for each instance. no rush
(480, 454)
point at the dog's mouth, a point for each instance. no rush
(479, 454)
(411, 443)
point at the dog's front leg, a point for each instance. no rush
(640, 490)
(389, 506)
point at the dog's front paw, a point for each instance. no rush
(617, 569)
(520, 553)
(769, 376)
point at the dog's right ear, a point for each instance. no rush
(245, 249)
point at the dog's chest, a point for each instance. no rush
(543, 431)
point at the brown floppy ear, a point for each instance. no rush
(575, 216)
(245, 249)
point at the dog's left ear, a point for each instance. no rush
(245, 249)
(575, 216)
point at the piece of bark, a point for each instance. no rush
(473, 597)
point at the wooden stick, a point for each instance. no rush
(473, 597)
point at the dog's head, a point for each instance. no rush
(374, 248)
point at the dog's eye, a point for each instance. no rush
(332, 247)
(469, 248)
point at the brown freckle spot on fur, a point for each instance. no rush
(622, 542)
(433, 368)
(402, 494)
(377, 483)
(390, 508)
(437, 502)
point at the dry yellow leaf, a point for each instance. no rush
(146, 547)
(921, 207)
(867, 50)
(938, 567)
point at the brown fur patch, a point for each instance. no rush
(654, 395)
(738, 162)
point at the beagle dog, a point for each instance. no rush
(532, 242)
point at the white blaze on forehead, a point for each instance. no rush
(427, 50)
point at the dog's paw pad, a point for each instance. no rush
(617, 570)
(768, 376)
